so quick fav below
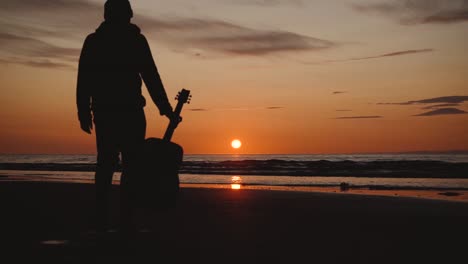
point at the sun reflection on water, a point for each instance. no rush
(236, 182)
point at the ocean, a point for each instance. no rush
(413, 171)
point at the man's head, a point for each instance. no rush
(118, 11)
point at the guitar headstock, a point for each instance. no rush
(183, 96)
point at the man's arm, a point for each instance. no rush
(150, 75)
(83, 94)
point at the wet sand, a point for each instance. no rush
(460, 195)
(52, 222)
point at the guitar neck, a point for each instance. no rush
(173, 123)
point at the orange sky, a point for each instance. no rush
(282, 91)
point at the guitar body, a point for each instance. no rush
(157, 183)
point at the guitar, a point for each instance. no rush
(157, 183)
(182, 97)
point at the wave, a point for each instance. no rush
(278, 167)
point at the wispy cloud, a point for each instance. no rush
(60, 18)
(385, 55)
(392, 54)
(34, 52)
(412, 12)
(70, 21)
(339, 92)
(33, 47)
(269, 3)
(32, 41)
(237, 109)
(455, 99)
(358, 117)
(229, 38)
(28, 5)
(274, 107)
(41, 63)
(444, 111)
(439, 106)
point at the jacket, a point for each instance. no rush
(113, 62)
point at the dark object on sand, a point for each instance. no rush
(450, 194)
(157, 184)
(344, 186)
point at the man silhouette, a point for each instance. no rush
(113, 62)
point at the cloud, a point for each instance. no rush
(442, 105)
(47, 64)
(69, 21)
(35, 53)
(445, 99)
(455, 99)
(41, 63)
(62, 18)
(268, 3)
(29, 27)
(412, 12)
(358, 117)
(262, 43)
(196, 33)
(28, 5)
(31, 47)
(448, 17)
(274, 107)
(343, 110)
(230, 39)
(237, 109)
(339, 92)
(444, 111)
(439, 106)
(392, 54)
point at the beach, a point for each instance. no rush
(319, 132)
(52, 222)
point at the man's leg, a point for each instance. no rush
(107, 161)
(134, 136)
(103, 184)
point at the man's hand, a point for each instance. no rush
(86, 126)
(86, 121)
(173, 117)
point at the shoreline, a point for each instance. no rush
(432, 193)
(453, 195)
(284, 167)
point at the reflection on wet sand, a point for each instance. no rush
(236, 182)
(54, 242)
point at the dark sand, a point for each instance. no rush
(51, 223)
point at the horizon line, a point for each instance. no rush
(459, 151)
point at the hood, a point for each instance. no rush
(117, 28)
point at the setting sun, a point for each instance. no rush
(236, 143)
